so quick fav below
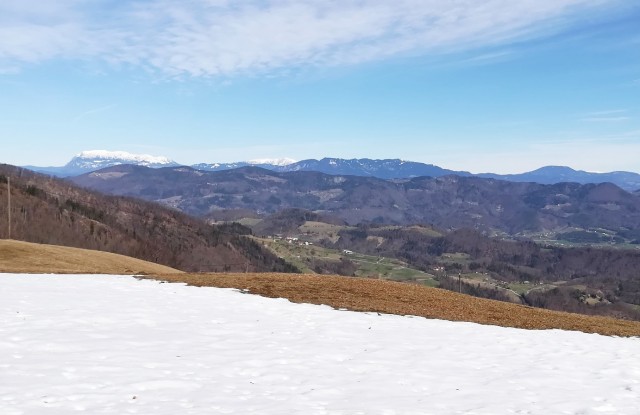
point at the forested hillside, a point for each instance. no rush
(53, 211)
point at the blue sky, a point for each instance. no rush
(493, 85)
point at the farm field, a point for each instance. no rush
(306, 258)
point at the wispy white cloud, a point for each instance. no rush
(223, 37)
(617, 115)
(606, 119)
(488, 58)
(606, 112)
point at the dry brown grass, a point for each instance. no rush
(361, 294)
(25, 257)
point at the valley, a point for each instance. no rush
(310, 258)
(582, 278)
(315, 259)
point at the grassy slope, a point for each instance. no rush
(25, 257)
(361, 294)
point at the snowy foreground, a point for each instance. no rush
(117, 345)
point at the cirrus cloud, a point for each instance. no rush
(223, 38)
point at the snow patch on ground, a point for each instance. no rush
(117, 345)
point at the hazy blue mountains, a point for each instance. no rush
(447, 202)
(560, 174)
(89, 161)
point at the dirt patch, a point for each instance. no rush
(25, 257)
(361, 294)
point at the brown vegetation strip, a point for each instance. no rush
(360, 294)
(29, 258)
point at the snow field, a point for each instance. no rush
(118, 345)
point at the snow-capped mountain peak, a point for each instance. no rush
(92, 160)
(102, 157)
(273, 162)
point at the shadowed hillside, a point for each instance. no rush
(53, 211)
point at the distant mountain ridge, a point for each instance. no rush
(562, 174)
(271, 164)
(382, 169)
(447, 202)
(89, 161)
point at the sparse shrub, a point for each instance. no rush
(33, 190)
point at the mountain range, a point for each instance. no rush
(562, 174)
(92, 160)
(447, 202)
(89, 161)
